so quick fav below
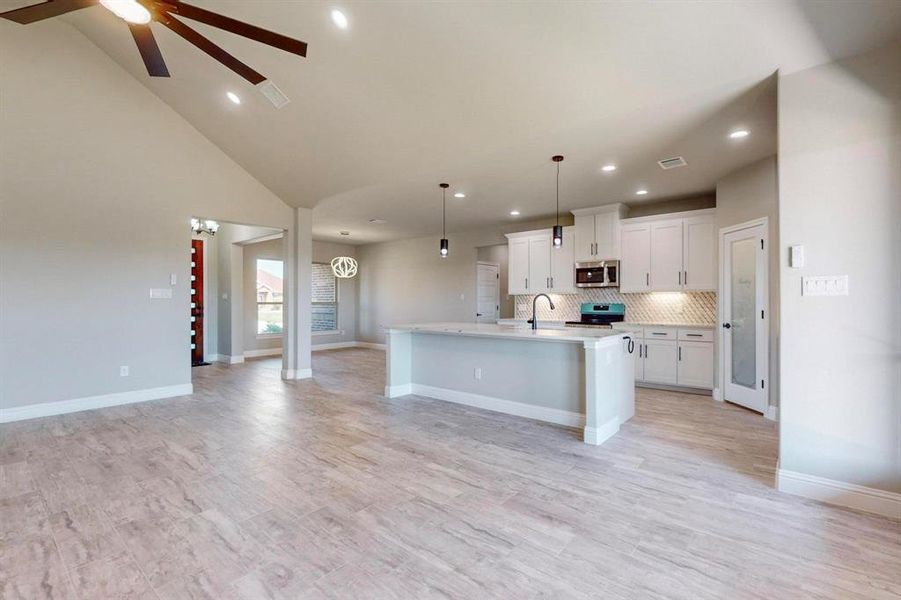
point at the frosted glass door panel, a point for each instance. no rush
(744, 307)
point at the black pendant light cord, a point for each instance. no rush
(558, 192)
(443, 212)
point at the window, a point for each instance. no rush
(270, 296)
(325, 298)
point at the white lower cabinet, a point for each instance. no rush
(666, 356)
(660, 361)
(696, 364)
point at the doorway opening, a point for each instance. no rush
(237, 305)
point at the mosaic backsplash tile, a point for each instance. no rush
(683, 308)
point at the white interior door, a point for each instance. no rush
(487, 292)
(744, 312)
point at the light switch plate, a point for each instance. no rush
(796, 257)
(173, 279)
(160, 293)
(829, 285)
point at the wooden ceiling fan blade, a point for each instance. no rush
(212, 49)
(45, 10)
(150, 51)
(270, 38)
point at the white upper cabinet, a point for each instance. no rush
(597, 235)
(535, 266)
(635, 261)
(518, 266)
(675, 253)
(666, 256)
(563, 271)
(540, 263)
(699, 254)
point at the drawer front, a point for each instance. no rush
(660, 333)
(696, 335)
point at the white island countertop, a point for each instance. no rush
(490, 330)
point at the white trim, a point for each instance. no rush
(510, 407)
(334, 346)
(685, 214)
(264, 238)
(617, 207)
(329, 332)
(371, 345)
(394, 391)
(270, 336)
(297, 373)
(717, 395)
(263, 352)
(214, 358)
(229, 360)
(598, 435)
(772, 413)
(47, 409)
(881, 502)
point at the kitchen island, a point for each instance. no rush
(578, 377)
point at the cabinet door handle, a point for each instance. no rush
(647, 279)
(552, 282)
(685, 278)
(680, 352)
(680, 277)
(693, 335)
(527, 283)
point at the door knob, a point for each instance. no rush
(727, 325)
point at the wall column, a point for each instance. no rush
(296, 360)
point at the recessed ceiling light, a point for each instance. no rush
(514, 213)
(344, 232)
(233, 97)
(641, 192)
(459, 195)
(740, 133)
(608, 168)
(377, 221)
(339, 19)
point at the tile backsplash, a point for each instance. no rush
(684, 308)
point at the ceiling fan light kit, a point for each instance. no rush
(139, 14)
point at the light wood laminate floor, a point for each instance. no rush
(258, 488)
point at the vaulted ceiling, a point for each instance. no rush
(481, 94)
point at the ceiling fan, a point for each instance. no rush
(139, 13)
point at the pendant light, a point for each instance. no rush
(558, 229)
(444, 245)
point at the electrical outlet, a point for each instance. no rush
(123, 371)
(477, 373)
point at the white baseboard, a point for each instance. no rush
(262, 352)
(297, 373)
(214, 358)
(47, 409)
(394, 391)
(772, 413)
(887, 504)
(510, 407)
(229, 360)
(371, 345)
(717, 395)
(334, 346)
(598, 435)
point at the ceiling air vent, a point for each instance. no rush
(273, 94)
(672, 163)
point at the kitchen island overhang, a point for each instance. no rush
(574, 377)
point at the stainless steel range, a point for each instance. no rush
(599, 315)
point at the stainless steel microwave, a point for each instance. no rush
(603, 273)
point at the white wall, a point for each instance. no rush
(98, 182)
(840, 196)
(406, 281)
(324, 252)
(745, 195)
